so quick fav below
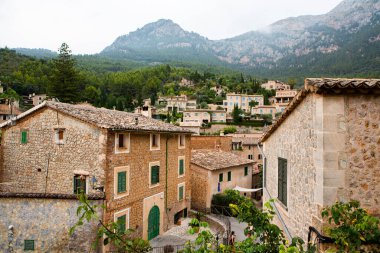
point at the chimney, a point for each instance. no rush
(136, 121)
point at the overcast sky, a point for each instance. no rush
(88, 26)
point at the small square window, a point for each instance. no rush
(28, 244)
(122, 142)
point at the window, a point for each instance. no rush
(28, 244)
(250, 157)
(122, 219)
(80, 184)
(181, 191)
(221, 177)
(282, 180)
(24, 137)
(181, 166)
(121, 222)
(121, 181)
(154, 142)
(259, 157)
(181, 141)
(245, 171)
(229, 176)
(59, 136)
(154, 174)
(122, 142)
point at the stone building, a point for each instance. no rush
(283, 98)
(211, 142)
(324, 148)
(264, 109)
(141, 164)
(204, 116)
(242, 101)
(8, 111)
(213, 171)
(275, 85)
(178, 103)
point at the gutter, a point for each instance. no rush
(286, 230)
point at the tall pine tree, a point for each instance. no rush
(65, 81)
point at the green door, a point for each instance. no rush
(153, 223)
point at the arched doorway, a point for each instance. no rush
(153, 222)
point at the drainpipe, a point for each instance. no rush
(286, 230)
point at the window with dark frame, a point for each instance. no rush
(181, 167)
(121, 182)
(245, 171)
(154, 174)
(28, 244)
(180, 192)
(229, 176)
(282, 180)
(221, 177)
(259, 157)
(121, 141)
(79, 184)
(60, 134)
(121, 222)
(154, 140)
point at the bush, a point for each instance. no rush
(229, 130)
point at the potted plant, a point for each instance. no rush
(194, 224)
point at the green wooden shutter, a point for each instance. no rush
(229, 176)
(181, 167)
(221, 177)
(245, 171)
(180, 193)
(155, 174)
(121, 222)
(122, 181)
(282, 180)
(24, 137)
(28, 244)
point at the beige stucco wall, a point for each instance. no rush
(205, 183)
(41, 165)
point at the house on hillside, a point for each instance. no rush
(213, 171)
(242, 101)
(275, 85)
(204, 116)
(324, 148)
(137, 166)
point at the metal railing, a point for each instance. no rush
(168, 248)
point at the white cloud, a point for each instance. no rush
(90, 25)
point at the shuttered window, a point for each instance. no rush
(181, 167)
(24, 137)
(121, 182)
(28, 244)
(221, 177)
(180, 192)
(229, 176)
(121, 222)
(282, 180)
(155, 175)
(79, 184)
(245, 171)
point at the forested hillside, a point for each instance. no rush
(114, 84)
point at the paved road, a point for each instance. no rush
(238, 228)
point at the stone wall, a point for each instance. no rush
(296, 141)
(200, 195)
(211, 142)
(47, 222)
(363, 146)
(140, 192)
(240, 129)
(41, 165)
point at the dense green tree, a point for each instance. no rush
(65, 77)
(236, 112)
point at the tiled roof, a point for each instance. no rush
(323, 84)
(326, 85)
(105, 118)
(6, 109)
(212, 159)
(246, 140)
(96, 196)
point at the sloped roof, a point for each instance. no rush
(326, 85)
(105, 118)
(246, 140)
(212, 159)
(6, 109)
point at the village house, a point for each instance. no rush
(213, 171)
(264, 109)
(324, 148)
(275, 85)
(283, 98)
(204, 116)
(177, 103)
(147, 109)
(242, 101)
(138, 167)
(7, 111)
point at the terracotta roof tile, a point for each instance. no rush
(212, 159)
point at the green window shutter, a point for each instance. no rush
(28, 244)
(180, 194)
(229, 176)
(75, 185)
(121, 182)
(24, 137)
(155, 174)
(282, 180)
(221, 177)
(121, 222)
(245, 171)
(181, 167)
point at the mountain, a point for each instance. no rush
(36, 52)
(344, 41)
